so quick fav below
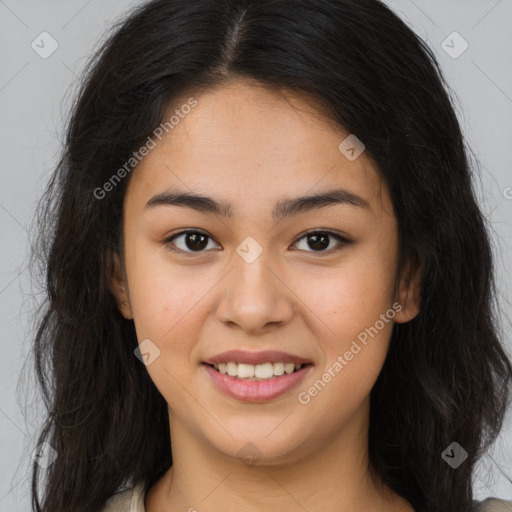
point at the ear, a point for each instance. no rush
(118, 286)
(408, 293)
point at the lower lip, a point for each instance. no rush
(256, 390)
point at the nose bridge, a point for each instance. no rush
(252, 276)
(254, 296)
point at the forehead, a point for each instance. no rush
(253, 145)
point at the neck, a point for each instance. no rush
(332, 475)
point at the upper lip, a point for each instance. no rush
(254, 358)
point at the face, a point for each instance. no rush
(199, 282)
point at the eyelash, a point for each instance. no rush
(343, 241)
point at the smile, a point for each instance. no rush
(256, 372)
(256, 383)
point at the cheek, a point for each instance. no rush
(168, 311)
(166, 302)
(352, 296)
(354, 346)
(161, 292)
(355, 302)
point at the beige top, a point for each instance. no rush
(132, 500)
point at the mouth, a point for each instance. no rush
(259, 372)
(256, 376)
(256, 383)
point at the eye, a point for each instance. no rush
(192, 241)
(319, 241)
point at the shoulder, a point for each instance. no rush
(128, 500)
(132, 500)
(492, 505)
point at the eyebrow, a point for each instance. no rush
(282, 209)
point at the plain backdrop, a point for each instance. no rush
(35, 95)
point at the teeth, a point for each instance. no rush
(245, 371)
(232, 369)
(256, 372)
(289, 368)
(263, 371)
(278, 368)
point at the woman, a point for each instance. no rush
(265, 253)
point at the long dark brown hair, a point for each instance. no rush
(446, 377)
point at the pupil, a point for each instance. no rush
(316, 244)
(197, 243)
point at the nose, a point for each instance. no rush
(255, 296)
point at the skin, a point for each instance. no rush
(249, 146)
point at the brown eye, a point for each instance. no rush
(319, 241)
(189, 241)
(193, 241)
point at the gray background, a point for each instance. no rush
(35, 95)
